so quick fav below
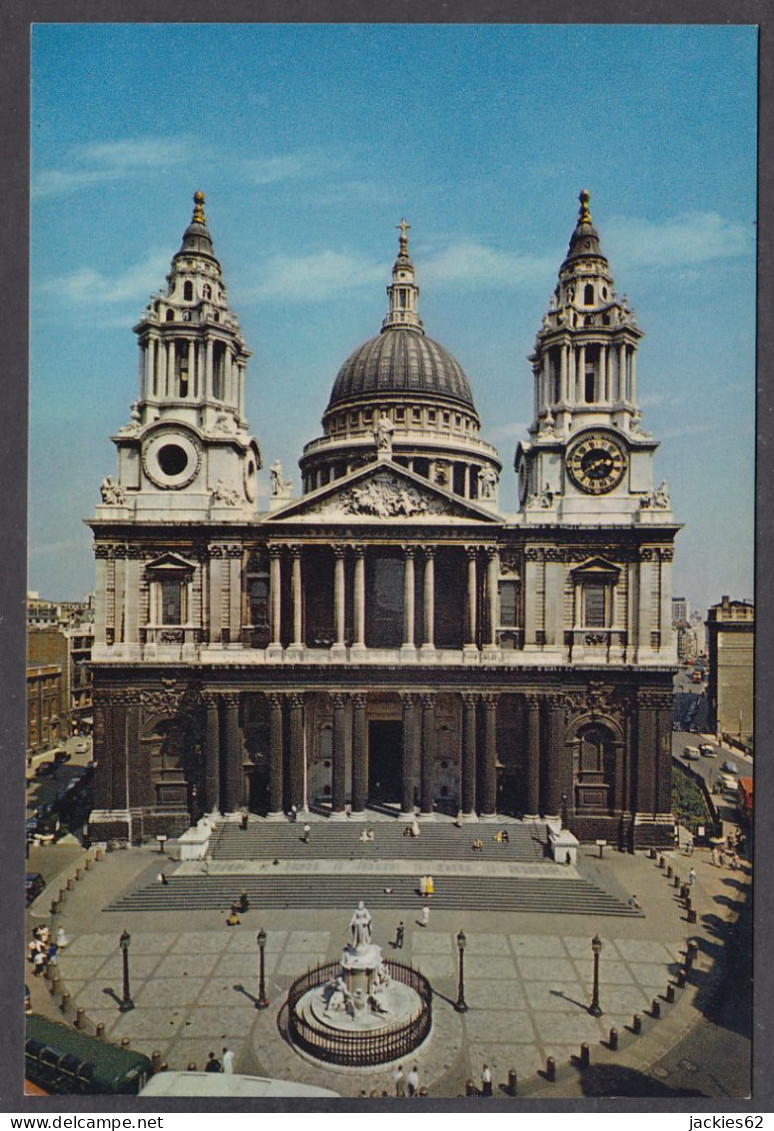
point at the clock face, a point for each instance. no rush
(596, 463)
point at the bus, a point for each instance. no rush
(229, 1085)
(64, 1061)
(745, 800)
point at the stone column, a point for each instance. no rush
(359, 597)
(563, 374)
(339, 595)
(339, 753)
(488, 802)
(359, 780)
(492, 583)
(191, 370)
(429, 593)
(297, 753)
(428, 755)
(408, 598)
(469, 759)
(633, 377)
(208, 375)
(467, 481)
(232, 793)
(472, 625)
(275, 587)
(298, 598)
(212, 748)
(622, 384)
(581, 375)
(647, 753)
(276, 759)
(408, 760)
(100, 595)
(553, 759)
(532, 768)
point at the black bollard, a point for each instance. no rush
(676, 882)
(661, 862)
(637, 1024)
(612, 1040)
(655, 1009)
(670, 993)
(80, 1013)
(670, 871)
(691, 914)
(680, 978)
(470, 1088)
(99, 1032)
(512, 1083)
(65, 1002)
(652, 853)
(155, 1060)
(585, 1055)
(550, 1069)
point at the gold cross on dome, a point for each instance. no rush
(404, 227)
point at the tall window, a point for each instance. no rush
(588, 295)
(594, 602)
(171, 601)
(508, 604)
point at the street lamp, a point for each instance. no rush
(126, 1002)
(596, 949)
(262, 1001)
(459, 1004)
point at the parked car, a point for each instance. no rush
(33, 884)
(691, 754)
(45, 769)
(707, 751)
(729, 767)
(729, 783)
(82, 748)
(61, 756)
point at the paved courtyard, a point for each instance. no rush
(528, 977)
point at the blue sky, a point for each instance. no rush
(310, 143)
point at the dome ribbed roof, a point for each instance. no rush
(401, 361)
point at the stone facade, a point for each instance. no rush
(731, 640)
(388, 637)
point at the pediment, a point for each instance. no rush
(383, 492)
(597, 567)
(170, 563)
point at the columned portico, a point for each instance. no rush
(359, 766)
(428, 756)
(339, 703)
(408, 599)
(360, 598)
(468, 754)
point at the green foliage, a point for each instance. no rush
(688, 804)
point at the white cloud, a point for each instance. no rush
(681, 241)
(111, 161)
(305, 164)
(89, 286)
(479, 267)
(309, 278)
(509, 430)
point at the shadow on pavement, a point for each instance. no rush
(615, 1080)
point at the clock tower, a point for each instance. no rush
(588, 460)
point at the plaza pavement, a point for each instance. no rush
(527, 976)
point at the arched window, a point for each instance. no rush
(588, 295)
(170, 316)
(188, 291)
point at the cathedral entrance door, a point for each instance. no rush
(385, 750)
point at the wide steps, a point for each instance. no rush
(331, 840)
(289, 892)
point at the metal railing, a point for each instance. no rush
(353, 1049)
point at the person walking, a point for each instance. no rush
(425, 916)
(692, 877)
(400, 932)
(307, 833)
(412, 1081)
(486, 1081)
(228, 1060)
(213, 1064)
(399, 1080)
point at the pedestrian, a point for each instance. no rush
(232, 921)
(51, 954)
(400, 931)
(39, 961)
(425, 916)
(61, 938)
(692, 877)
(307, 833)
(243, 821)
(429, 885)
(162, 879)
(399, 1080)
(635, 903)
(293, 813)
(213, 1064)
(228, 1061)
(486, 1081)
(721, 858)
(412, 1081)
(415, 827)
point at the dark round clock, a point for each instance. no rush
(596, 463)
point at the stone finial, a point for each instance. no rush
(585, 214)
(198, 212)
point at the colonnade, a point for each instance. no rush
(160, 376)
(615, 376)
(414, 558)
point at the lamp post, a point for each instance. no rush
(459, 1004)
(262, 1001)
(596, 950)
(126, 1001)
(564, 810)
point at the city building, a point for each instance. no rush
(389, 638)
(61, 634)
(731, 645)
(680, 610)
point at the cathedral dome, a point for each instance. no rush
(401, 360)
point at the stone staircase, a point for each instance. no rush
(572, 896)
(333, 840)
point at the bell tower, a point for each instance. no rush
(588, 459)
(186, 451)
